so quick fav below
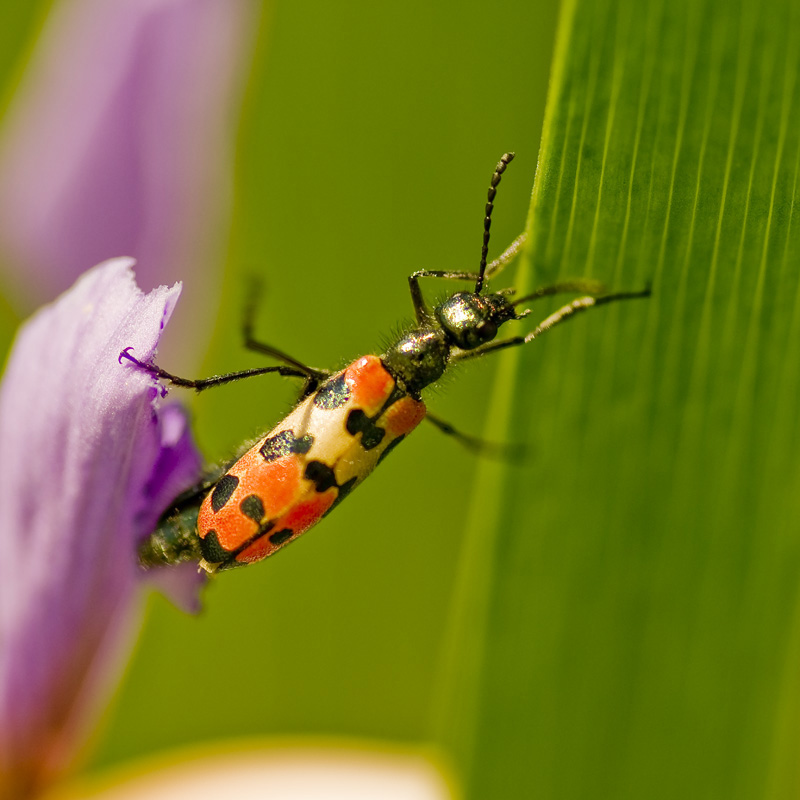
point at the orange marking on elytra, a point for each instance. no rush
(298, 519)
(403, 416)
(231, 526)
(369, 383)
(278, 485)
(309, 512)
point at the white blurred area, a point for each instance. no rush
(275, 773)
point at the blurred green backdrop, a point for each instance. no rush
(368, 137)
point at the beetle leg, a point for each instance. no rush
(564, 313)
(505, 452)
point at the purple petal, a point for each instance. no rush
(178, 467)
(89, 461)
(119, 140)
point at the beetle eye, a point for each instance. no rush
(487, 330)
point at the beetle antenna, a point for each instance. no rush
(487, 220)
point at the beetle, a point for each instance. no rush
(346, 423)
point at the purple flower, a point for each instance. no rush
(90, 459)
(119, 140)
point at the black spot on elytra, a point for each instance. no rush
(252, 507)
(279, 537)
(391, 446)
(212, 550)
(333, 394)
(285, 443)
(231, 555)
(223, 490)
(321, 474)
(359, 422)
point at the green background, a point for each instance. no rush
(368, 136)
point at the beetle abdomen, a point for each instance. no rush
(311, 461)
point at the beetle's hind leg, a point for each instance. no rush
(314, 376)
(290, 367)
(496, 450)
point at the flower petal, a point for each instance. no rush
(87, 459)
(178, 467)
(119, 140)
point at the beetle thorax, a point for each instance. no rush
(466, 320)
(419, 358)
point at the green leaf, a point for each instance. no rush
(627, 624)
